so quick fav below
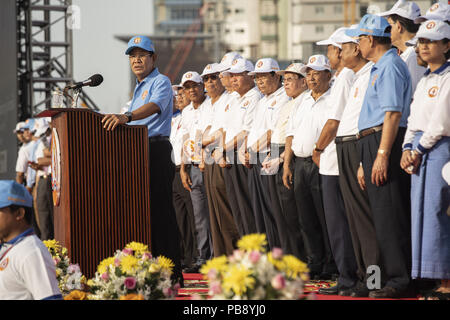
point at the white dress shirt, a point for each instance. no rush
(338, 99)
(306, 123)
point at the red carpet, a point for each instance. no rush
(195, 283)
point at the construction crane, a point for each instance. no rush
(184, 47)
(347, 21)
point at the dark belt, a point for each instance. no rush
(195, 164)
(346, 138)
(177, 168)
(158, 138)
(369, 131)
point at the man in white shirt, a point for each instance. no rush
(401, 18)
(304, 128)
(191, 155)
(182, 202)
(356, 200)
(237, 127)
(258, 144)
(224, 65)
(325, 157)
(27, 270)
(223, 228)
(283, 199)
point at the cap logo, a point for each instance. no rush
(430, 25)
(356, 93)
(433, 92)
(16, 199)
(290, 66)
(208, 67)
(434, 7)
(144, 94)
(246, 103)
(4, 264)
(234, 62)
(259, 65)
(137, 40)
(312, 60)
(189, 75)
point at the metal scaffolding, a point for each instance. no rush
(44, 53)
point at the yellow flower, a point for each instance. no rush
(238, 280)
(52, 244)
(132, 296)
(129, 264)
(76, 295)
(137, 247)
(219, 264)
(293, 267)
(278, 264)
(255, 241)
(166, 263)
(154, 268)
(103, 266)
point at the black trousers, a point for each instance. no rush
(357, 207)
(390, 208)
(308, 197)
(285, 213)
(165, 232)
(338, 231)
(236, 182)
(44, 206)
(262, 210)
(185, 219)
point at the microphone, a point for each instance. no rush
(93, 81)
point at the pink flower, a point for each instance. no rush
(278, 282)
(146, 256)
(167, 292)
(127, 251)
(56, 261)
(277, 253)
(212, 274)
(254, 256)
(116, 262)
(73, 268)
(215, 287)
(130, 283)
(105, 276)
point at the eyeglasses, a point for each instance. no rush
(210, 77)
(139, 56)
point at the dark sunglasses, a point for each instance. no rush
(210, 77)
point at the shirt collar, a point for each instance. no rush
(176, 113)
(20, 236)
(385, 58)
(150, 75)
(438, 70)
(309, 95)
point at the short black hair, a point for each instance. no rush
(408, 24)
(384, 40)
(28, 212)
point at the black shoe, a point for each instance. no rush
(389, 293)
(359, 291)
(192, 269)
(347, 292)
(331, 290)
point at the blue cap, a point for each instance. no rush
(12, 193)
(370, 25)
(29, 124)
(140, 42)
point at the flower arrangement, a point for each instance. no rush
(252, 273)
(69, 275)
(133, 274)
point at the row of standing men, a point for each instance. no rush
(319, 157)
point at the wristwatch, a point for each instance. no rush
(317, 149)
(129, 115)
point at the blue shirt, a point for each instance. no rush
(155, 88)
(389, 89)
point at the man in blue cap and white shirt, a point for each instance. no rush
(381, 126)
(152, 105)
(27, 270)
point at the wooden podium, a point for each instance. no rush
(100, 183)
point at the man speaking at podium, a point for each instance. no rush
(152, 106)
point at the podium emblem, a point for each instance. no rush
(56, 168)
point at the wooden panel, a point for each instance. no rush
(105, 194)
